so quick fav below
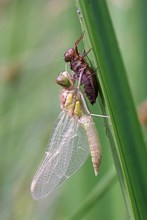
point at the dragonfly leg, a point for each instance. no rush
(88, 112)
(84, 54)
(84, 103)
(77, 42)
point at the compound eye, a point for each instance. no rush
(63, 79)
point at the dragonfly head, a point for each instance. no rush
(64, 79)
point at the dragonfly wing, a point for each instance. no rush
(44, 180)
(62, 153)
(80, 151)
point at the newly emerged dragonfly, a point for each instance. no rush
(73, 139)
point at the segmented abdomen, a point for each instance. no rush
(93, 139)
(89, 79)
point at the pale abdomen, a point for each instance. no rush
(93, 139)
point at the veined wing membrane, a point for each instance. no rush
(68, 149)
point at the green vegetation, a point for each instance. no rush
(34, 36)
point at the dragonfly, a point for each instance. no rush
(74, 138)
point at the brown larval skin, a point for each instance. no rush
(81, 69)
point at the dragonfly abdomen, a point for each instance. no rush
(93, 139)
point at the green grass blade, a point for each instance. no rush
(130, 146)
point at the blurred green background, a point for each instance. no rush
(33, 38)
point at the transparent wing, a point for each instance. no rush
(68, 149)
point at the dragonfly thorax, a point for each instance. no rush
(71, 102)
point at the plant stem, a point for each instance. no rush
(130, 151)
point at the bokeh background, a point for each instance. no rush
(34, 35)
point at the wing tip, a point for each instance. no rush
(32, 189)
(36, 195)
(32, 186)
